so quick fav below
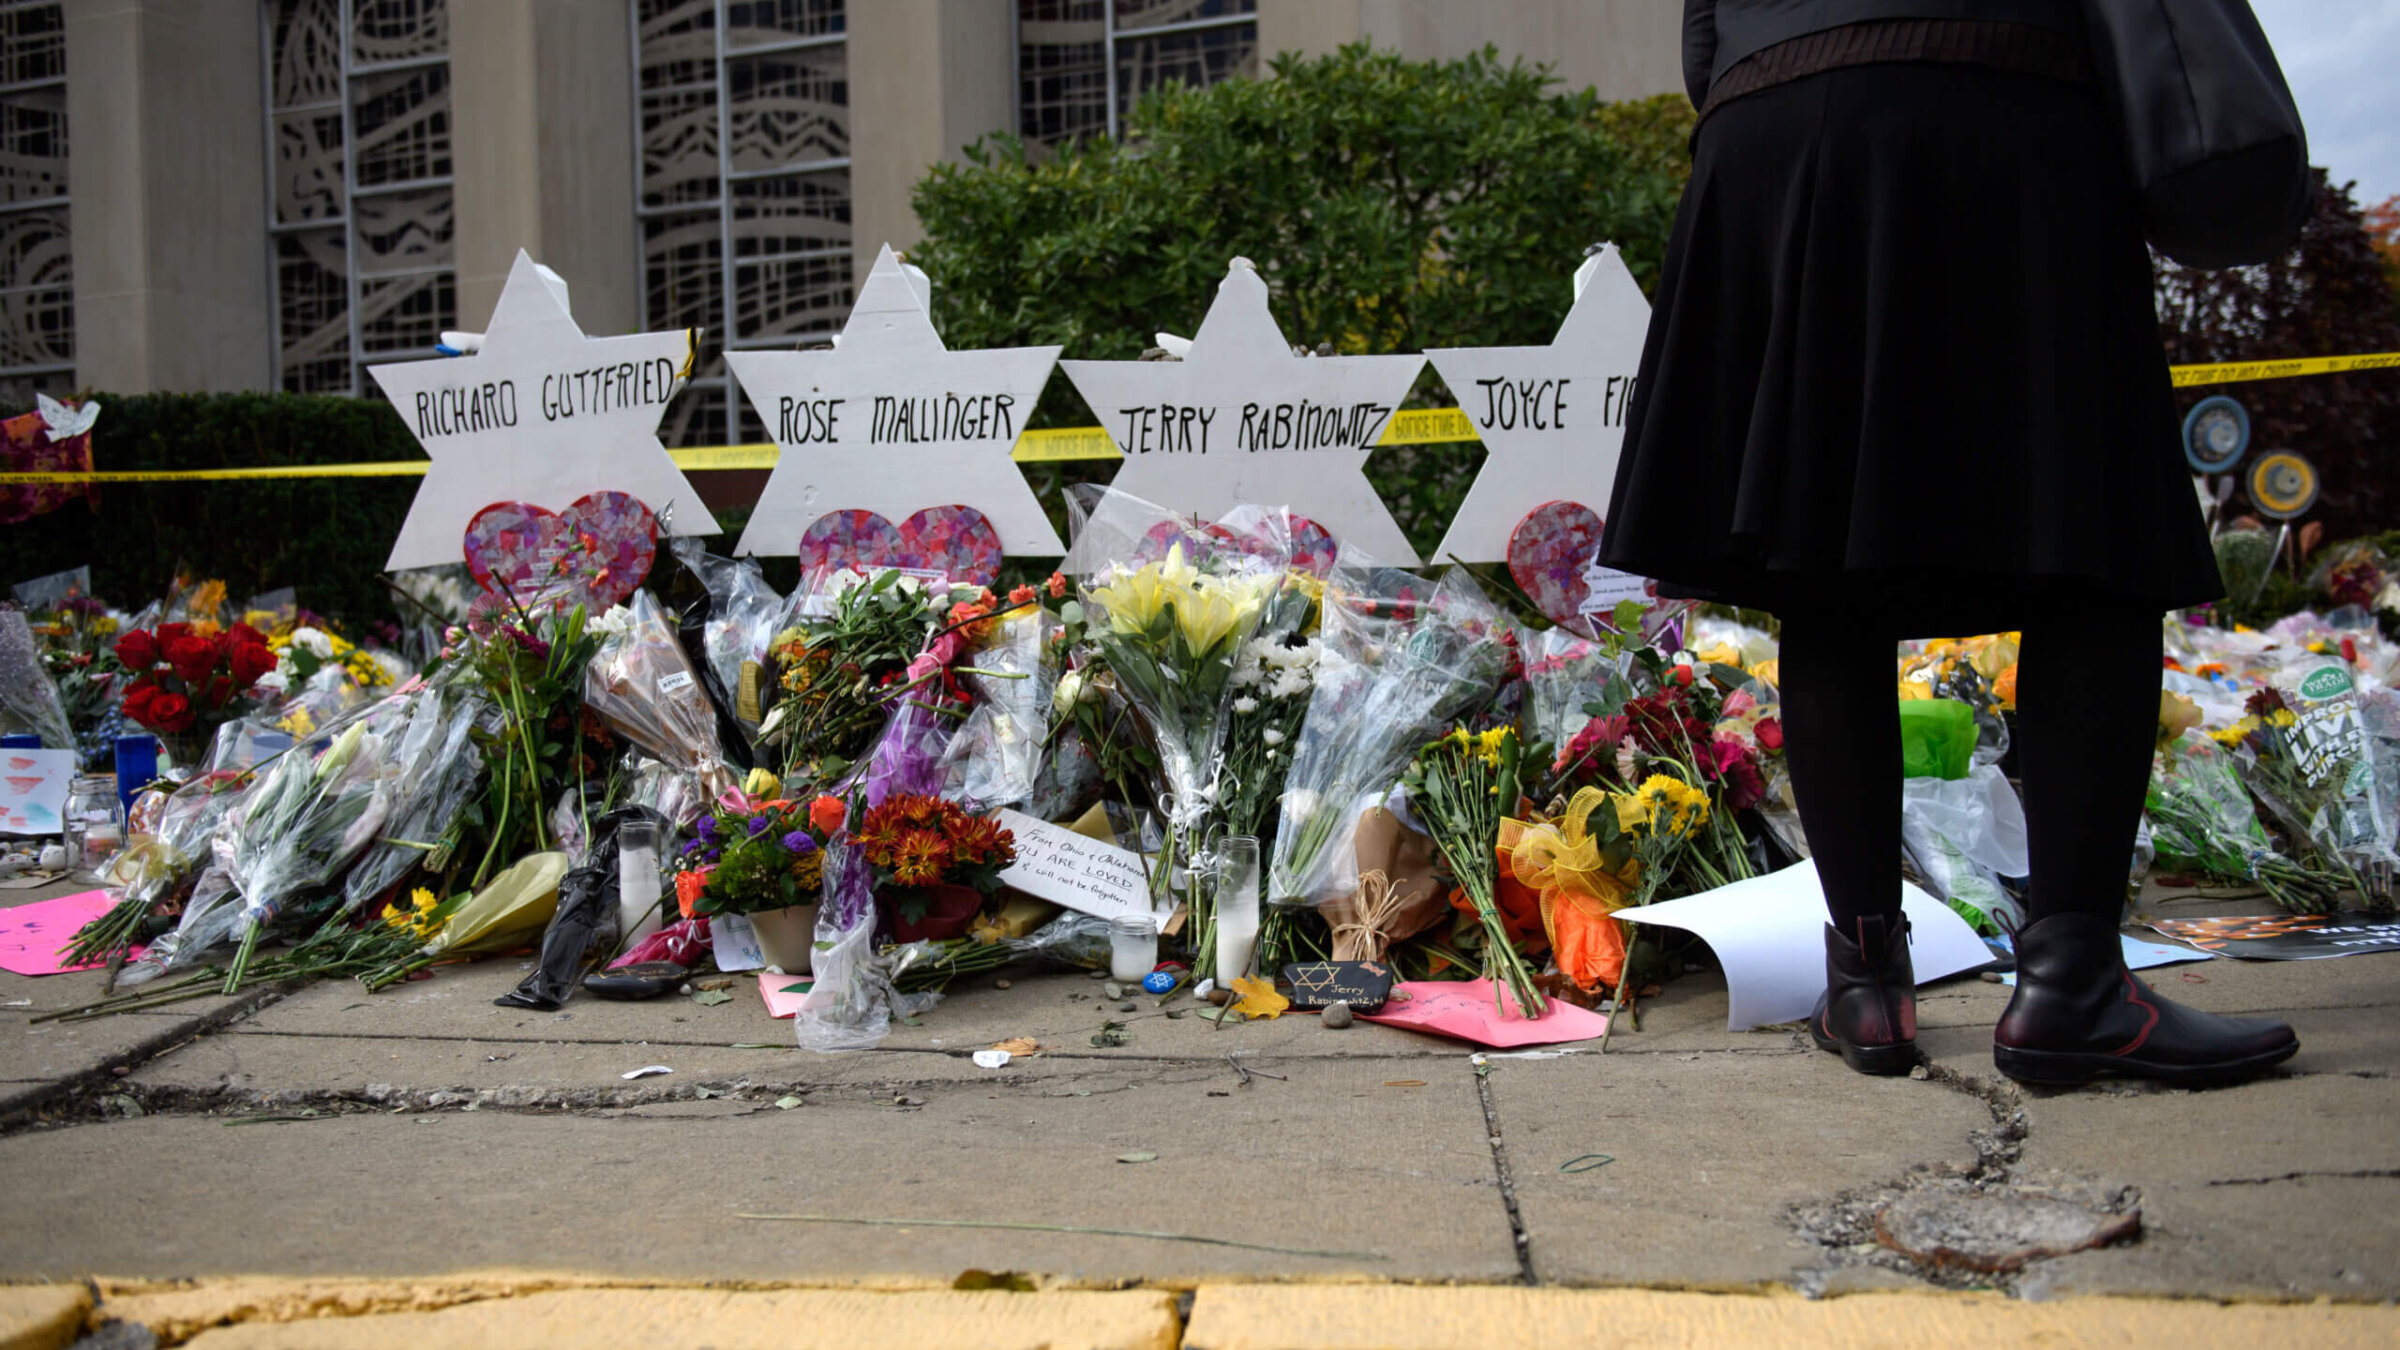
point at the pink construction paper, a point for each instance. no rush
(31, 936)
(780, 1004)
(1464, 1011)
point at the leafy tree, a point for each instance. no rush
(2330, 297)
(2383, 231)
(1391, 205)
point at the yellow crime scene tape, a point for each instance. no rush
(1410, 426)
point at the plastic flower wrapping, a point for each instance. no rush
(1402, 659)
(1442, 782)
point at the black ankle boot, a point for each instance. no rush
(1869, 1009)
(2079, 1014)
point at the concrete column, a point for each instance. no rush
(167, 188)
(1309, 27)
(541, 101)
(1624, 48)
(927, 77)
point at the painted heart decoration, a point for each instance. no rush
(1554, 555)
(1311, 547)
(1547, 555)
(597, 552)
(956, 541)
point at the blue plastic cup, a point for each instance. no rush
(137, 766)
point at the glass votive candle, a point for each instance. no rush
(1132, 947)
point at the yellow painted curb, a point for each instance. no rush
(42, 1316)
(692, 1319)
(1391, 1317)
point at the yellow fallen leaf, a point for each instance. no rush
(1253, 997)
(1019, 1045)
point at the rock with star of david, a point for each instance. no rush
(1241, 419)
(891, 421)
(541, 414)
(1552, 418)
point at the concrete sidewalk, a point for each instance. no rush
(424, 1132)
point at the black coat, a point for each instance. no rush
(1717, 33)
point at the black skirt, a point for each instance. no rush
(1904, 362)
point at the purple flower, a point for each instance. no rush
(759, 825)
(707, 828)
(692, 846)
(799, 842)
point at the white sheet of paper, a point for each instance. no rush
(1768, 933)
(33, 790)
(736, 943)
(1066, 868)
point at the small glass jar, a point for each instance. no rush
(1132, 947)
(95, 825)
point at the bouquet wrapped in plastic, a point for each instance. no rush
(160, 862)
(2202, 822)
(744, 614)
(1169, 613)
(1403, 659)
(28, 699)
(436, 769)
(995, 759)
(305, 821)
(641, 683)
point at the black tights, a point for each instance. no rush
(2087, 715)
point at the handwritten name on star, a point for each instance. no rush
(1541, 404)
(1183, 429)
(465, 409)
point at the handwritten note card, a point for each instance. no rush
(33, 790)
(1066, 868)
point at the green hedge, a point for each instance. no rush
(327, 537)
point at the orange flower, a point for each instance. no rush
(1023, 596)
(828, 813)
(920, 858)
(973, 622)
(1058, 585)
(689, 887)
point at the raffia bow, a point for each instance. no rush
(1563, 862)
(1366, 935)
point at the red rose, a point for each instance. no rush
(171, 713)
(244, 635)
(193, 657)
(138, 700)
(168, 632)
(250, 660)
(1681, 675)
(1770, 734)
(137, 649)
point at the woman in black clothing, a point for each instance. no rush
(1904, 379)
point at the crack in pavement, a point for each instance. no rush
(1519, 1237)
(2363, 1174)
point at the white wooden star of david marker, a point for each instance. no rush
(891, 421)
(542, 414)
(1243, 420)
(1552, 418)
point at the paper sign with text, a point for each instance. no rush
(33, 790)
(1066, 868)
